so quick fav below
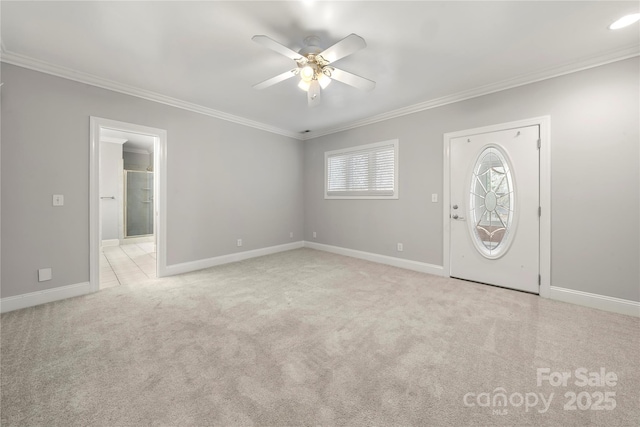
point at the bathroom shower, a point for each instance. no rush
(138, 209)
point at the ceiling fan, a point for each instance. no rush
(313, 65)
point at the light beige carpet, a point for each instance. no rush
(307, 338)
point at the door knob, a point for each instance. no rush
(455, 206)
(455, 216)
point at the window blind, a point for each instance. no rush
(367, 171)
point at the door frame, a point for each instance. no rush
(545, 193)
(96, 124)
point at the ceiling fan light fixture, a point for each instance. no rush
(313, 65)
(625, 21)
(304, 85)
(307, 73)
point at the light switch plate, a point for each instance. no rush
(58, 200)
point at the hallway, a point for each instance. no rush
(127, 264)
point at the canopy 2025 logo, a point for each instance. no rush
(575, 399)
(599, 400)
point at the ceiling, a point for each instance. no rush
(200, 56)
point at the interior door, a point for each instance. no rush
(494, 212)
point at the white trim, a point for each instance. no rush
(133, 240)
(121, 199)
(135, 150)
(79, 76)
(545, 192)
(381, 259)
(41, 297)
(187, 267)
(113, 140)
(545, 204)
(160, 193)
(601, 302)
(525, 79)
(24, 61)
(110, 242)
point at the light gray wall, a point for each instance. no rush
(225, 180)
(595, 190)
(220, 187)
(110, 177)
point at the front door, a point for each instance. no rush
(495, 228)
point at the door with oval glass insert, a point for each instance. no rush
(494, 192)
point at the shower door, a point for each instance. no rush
(138, 209)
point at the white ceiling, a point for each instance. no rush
(420, 53)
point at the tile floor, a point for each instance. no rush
(127, 264)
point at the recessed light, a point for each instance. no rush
(625, 21)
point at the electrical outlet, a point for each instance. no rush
(44, 274)
(400, 247)
(291, 234)
(239, 242)
(434, 198)
(314, 235)
(58, 200)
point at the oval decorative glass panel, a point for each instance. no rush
(491, 202)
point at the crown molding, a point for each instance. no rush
(540, 75)
(536, 76)
(81, 77)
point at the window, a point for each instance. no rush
(363, 172)
(491, 202)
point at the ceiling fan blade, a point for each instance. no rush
(277, 79)
(348, 45)
(313, 94)
(275, 46)
(352, 79)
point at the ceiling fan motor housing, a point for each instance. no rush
(311, 45)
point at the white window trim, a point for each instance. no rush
(396, 148)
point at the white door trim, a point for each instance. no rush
(545, 193)
(160, 193)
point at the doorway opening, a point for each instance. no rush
(483, 240)
(127, 203)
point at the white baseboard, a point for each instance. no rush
(382, 259)
(41, 297)
(131, 240)
(601, 302)
(187, 267)
(110, 242)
